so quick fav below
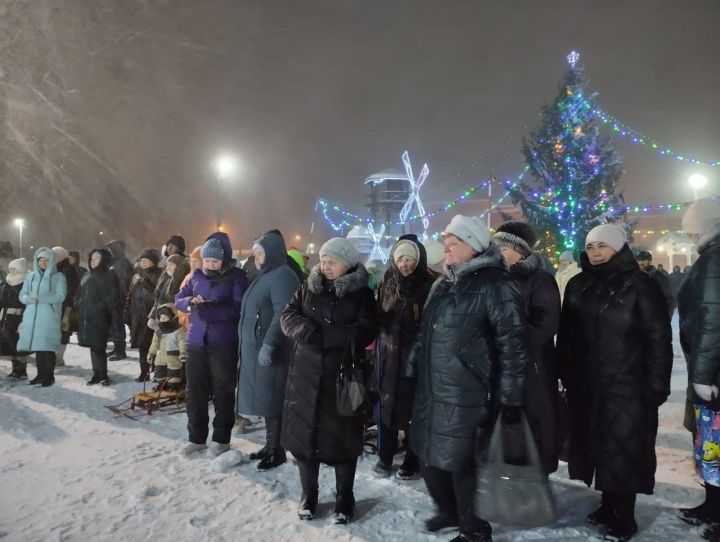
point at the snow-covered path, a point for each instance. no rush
(70, 471)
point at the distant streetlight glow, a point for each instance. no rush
(225, 166)
(697, 182)
(20, 224)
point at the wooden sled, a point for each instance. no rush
(145, 403)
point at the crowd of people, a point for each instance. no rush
(440, 358)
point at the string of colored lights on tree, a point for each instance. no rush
(637, 137)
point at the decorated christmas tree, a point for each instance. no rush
(575, 171)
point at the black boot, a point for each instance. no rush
(309, 471)
(603, 515)
(117, 356)
(274, 454)
(481, 534)
(410, 467)
(42, 370)
(19, 371)
(622, 526)
(441, 520)
(344, 497)
(262, 453)
(708, 512)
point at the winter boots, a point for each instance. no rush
(98, 359)
(344, 497)
(410, 467)
(117, 356)
(309, 471)
(442, 520)
(271, 455)
(616, 516)
(45, 362)
(708, 512)
(19, 370)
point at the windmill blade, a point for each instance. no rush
(408, 168)
(405, 211)
(421, 179)
(421, 212)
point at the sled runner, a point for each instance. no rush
(145, 403)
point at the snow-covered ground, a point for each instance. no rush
(70, 470)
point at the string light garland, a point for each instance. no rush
(637, 137)
(345, 218)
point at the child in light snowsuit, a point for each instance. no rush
(167, 350)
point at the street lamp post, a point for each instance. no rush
(697, 182)
(225, 166)
(20, 224)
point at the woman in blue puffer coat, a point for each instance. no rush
(43, 293)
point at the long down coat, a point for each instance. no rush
(615, 348)
(400, 304)
(469, 358)
(321, 318)
(99, 292)
(139, 304)
(261, 390)
(542, 307)
(43, 293)
(699, 308)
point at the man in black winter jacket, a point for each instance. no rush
(644, 260)
(123, 269)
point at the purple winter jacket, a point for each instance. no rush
(214, 323)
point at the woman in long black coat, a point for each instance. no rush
(615, 351)
(542, 307)
(401, 300)
(95, 302)
(699, 308)
(12, 310)
(470, 360)
(140, 300)
(333, 308)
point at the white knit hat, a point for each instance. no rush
(701, 216)
(61, 254)
(405, 249)
(610, 234)
(469, 230)
(19, 265)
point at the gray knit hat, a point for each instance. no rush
(342, 250)
(213, 248)
(567, 256)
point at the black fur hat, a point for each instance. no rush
(520, 236)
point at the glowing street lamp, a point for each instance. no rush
(225, 166)
(697, 182)
(20, 224)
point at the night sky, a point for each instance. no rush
(112, 111)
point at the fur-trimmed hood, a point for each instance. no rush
(526, 266)
(710, 237)
(490, 258)
(355, 279)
